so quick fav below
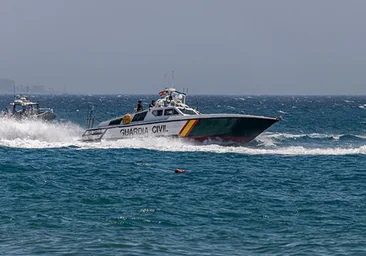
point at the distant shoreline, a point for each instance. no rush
(205, 95)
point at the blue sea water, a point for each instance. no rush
(298, 189)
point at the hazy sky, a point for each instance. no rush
(229, 47)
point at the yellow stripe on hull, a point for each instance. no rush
(187, 128)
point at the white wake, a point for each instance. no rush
(182, 145)
(38, 134)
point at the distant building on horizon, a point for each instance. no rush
(38, 89)
(34, 89)
(7, 86)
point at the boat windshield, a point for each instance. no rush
(187, 111)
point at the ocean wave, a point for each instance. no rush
(320, 136)
(182, 145)
(38, 134)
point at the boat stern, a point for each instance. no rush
(93, 135)
(241, 129)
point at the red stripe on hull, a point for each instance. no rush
(193, 125)
(184, 126)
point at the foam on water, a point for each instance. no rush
(38, 134)
(286, 136)
(181, 145)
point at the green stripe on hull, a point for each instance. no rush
(231, 126)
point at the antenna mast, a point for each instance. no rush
(90, 117)
(165, 82)
(173, 78)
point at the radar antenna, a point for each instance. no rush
(165, 82)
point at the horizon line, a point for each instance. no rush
(195, 94)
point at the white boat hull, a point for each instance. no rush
(128, 131)
(241, 128)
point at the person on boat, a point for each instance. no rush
(171, 100)
(23, 113)
(139, 106)
(6, 112)
(152, 104)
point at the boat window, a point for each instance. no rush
(139, 116)
(115, 121)
(157, 112)
(188, 111)
(170, 112)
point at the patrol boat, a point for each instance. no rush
(171, 116)
(23, 108)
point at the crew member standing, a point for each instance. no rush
(139, 106)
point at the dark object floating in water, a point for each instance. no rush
(179, 171)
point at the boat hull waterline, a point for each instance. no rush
(233, 128)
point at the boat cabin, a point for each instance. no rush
(171, 104)
(23, 107)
